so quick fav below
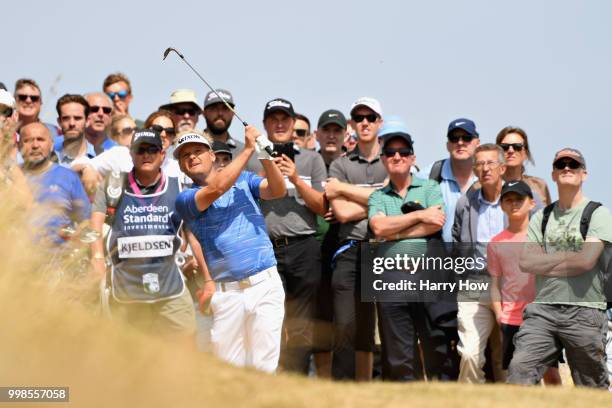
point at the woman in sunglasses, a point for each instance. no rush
(162, 121)
(515, 143)
(122, 129)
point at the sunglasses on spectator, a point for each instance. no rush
(6, 111)
(301, 132)
(23, 98)
(372, 117)
(169, 130)
(148, 150)
(490, 164)
(189, 111)
(561, 164)
(121, 94)
(517, 147)
(95, 109)
(127, 131)
(403, 151)
(465, 138)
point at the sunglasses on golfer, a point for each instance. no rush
(403, 151)
(23, 98)
(561, 164)
(517, 147)
(95, 109)
(301, 132)
(169, 130)
(465, 138)
(147, 149)
(121, 94)
(372, 117)
(189, 111)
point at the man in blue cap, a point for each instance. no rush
(455, 173)
(405, 231)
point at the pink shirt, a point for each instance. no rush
(517, 287)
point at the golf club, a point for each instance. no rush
(267, 148)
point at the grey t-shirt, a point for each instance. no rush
(357, 170)
(289, 216)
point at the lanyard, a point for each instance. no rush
(136, 189)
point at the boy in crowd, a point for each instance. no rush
(511, 289)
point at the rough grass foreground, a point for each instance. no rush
(47, 340)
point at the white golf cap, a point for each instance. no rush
(189, 137)
(368, 103)
(7, 99)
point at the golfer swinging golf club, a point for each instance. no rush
(222, 212)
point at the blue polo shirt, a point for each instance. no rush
(65, 160)
(232, 231)
(450, 192)
(107, 144)
(61, 192)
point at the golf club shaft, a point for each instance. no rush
(269, 150)
(206, 82)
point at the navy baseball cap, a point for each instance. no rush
(462, 123)
(146, 136)
(279, 104)
(517, 186)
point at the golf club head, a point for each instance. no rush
(168, 52)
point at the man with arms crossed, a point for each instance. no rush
(352, 179)
(223, 213)
(569, 307)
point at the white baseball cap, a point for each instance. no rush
(368, 103)
(7, 99)
(189, 137)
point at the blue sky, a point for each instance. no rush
(544, 65)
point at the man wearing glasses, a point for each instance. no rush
(29, 103)
(301, 132)
(185, 109)
(566, 253)
(478, 218)
(352, 179)
(118, 88)
(98, 120)
(401, 322)
(147, 287)
(455, 174)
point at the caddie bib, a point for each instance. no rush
(142, 244)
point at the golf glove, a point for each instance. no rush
(260, 147)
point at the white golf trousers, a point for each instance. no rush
(247, 323)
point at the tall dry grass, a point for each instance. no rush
(50, 337)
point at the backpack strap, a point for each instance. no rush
(545, 216)
(585, 219)
(436, 171)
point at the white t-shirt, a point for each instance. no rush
(118, 158)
